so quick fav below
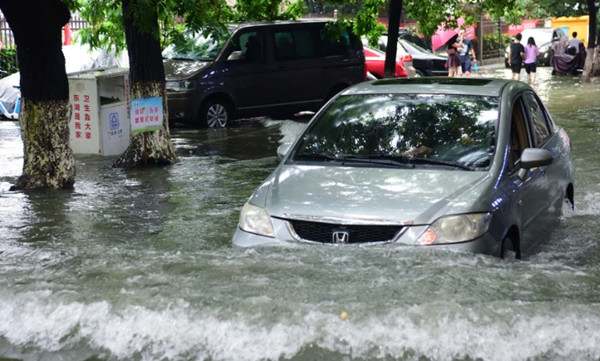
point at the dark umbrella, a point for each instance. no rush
(449, 42)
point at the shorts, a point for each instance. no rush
(465, 63)
(516, 68)
(530, 68)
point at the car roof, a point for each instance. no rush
(434, 85)
(282, 22)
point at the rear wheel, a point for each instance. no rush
(216, 113)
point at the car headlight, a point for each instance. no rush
(455, 229)
(256, 220)
(179, 85)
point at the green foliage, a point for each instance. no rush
(364, 14)
(178, 19)
(104, 18)
(8, 60)
(268, 10)
(495, 41)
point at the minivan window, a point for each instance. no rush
(334, 43)
(202, 48)
(451, 129)
(247, 46)
(541, 132)
(294, 44)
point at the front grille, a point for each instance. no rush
(324, 232)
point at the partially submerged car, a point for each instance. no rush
(464, 164)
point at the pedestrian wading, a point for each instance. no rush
(47, 159)
(147, 79)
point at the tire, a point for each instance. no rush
(419, 74)
(567, 208)
(509, 254)
(216, 113)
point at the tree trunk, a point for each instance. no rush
(147, 79)
(592, 61)
(47, 158)
(395, 11)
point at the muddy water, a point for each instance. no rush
(138, 265)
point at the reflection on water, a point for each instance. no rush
(138, 265)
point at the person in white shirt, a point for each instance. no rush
(573, 47)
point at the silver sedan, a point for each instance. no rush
(467, 164)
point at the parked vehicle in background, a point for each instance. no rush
(543, 39)
(271, 68)
(414, 38)
(375, 63)
(425, 62)
(426, 162)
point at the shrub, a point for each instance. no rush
(8, 61)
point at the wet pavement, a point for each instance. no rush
(138, 265)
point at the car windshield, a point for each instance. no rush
(411, 130)
(199, 48)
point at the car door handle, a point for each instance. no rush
(520, 202)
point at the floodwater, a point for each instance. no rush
(138, 266)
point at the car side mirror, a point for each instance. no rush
(534, 157)
(283, 149)
(235, 55)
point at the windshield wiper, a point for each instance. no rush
(315, 157)
(180, 58)
(439, 162)
(413, 161)
(376, 159)
(354, 159)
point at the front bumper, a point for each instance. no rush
(179, 104)
(285, 236)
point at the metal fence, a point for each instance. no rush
(8, 40)
(493, 38)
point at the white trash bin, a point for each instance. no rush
(99, 112)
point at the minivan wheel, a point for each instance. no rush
(215, 113)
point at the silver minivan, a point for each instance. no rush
(466, 164)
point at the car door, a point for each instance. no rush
(298, 68)
(247, 70)
(538, 194)
(522, 184)
(545, 137)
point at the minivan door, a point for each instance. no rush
(246, 70)
(297, 67)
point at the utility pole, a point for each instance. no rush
(394, 13)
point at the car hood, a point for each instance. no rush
(182, 69)
(364, 195)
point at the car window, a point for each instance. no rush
(519, 136)
(294, 44)
(450, 128)
(413, 48)
(247, 46)
(540, 130)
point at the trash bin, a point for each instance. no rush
(99, 111)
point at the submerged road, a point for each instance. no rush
(138, 265)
